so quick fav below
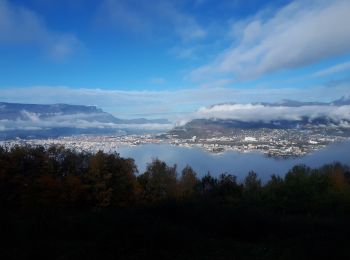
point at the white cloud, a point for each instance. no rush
(32, 117)
(334, 69)
(259, 112)
(299, 34)
(20, 25)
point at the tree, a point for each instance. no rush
(228, 189)
(252, 187)
(159, 182)
(208, 184)
(112, 179)
(188, 182)
(274, 193)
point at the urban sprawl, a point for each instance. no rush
(272, 142)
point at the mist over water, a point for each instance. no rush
(231, 162)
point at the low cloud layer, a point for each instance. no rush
(266, 113)
(34, 121)
(251, 112)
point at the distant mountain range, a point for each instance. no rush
(33, 120)
(37, 121)
(15, 111)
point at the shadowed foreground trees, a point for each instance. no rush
(62, 178)
(62, 204)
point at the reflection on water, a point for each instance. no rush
(235, 163)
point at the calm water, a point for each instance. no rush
(235, 163)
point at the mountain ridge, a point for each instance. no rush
(13, 111)
(53, 120)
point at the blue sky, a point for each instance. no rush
(162, 58)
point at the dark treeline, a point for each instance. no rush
(64, 204)
(61, 178)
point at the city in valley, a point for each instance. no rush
(279, 143)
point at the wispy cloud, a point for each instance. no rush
(332, 70)
(157, 80)
(299, 34)
(150, 17)
(20, 25)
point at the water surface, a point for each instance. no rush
(235, 163)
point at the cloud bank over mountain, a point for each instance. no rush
(44, 117)
(78, 121)
(62, 119)
(337, 112)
